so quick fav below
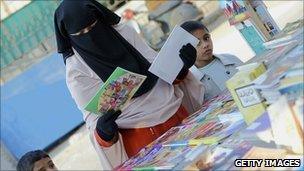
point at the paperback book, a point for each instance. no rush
(116, 91)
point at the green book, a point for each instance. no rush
(116, 92)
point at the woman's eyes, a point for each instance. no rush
(51, 165)
(85, 30)
(207, 38)
(199, 43)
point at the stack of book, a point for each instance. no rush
(213, 140)
(287, 124)
(217, 121)
(289, 83)
(284, 60)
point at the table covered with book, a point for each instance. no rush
(259, 116)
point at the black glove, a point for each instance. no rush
(106, 126)
(188, 55)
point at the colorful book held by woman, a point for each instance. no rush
(116, 92)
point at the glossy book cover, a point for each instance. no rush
(116, 91)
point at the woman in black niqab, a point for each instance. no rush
(100, 45)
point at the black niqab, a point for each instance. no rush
(102, 47)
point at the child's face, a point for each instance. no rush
(204, 48)
(44, 164)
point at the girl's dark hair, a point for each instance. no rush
(191, 26)
(27, 161)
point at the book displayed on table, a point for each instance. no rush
(244, 94)
(184, 142)
(156, 157)
(220, 157)
(285, 127)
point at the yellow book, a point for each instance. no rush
(245, 96)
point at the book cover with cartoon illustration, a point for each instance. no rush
(116, 91)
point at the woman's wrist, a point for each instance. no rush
(103, 142)
(181, 76)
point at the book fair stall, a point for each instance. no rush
(257, 123)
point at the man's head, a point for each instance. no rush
(205, 47)
(36, 161)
